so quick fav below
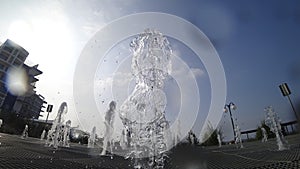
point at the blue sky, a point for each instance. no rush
(257, 42)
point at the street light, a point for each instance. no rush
(227, 108)
(286, 92)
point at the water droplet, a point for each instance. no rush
(153, 78)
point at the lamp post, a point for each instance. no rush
(227, 108)
(284, 88)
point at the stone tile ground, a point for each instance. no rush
(31, 153)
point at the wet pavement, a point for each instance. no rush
(31, 153)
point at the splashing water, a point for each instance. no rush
(177, 133)
(0, 126)
(43, 134)
(143, 113)
(92, 138)
(264, 134)
(238, 135)
(25, 132)
(109, 128)
(272, 120)
(66, 134)
(55, 133)
(219, 139)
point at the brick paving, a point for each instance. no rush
(32, 154)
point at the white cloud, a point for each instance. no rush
(118, 79)
(197, 72)
(192, 72)
(90, 28)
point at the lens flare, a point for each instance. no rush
(17, 81)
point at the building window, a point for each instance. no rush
(2, 67)
(2, 89)
(9, 49)
(4, 56)
(2, 76)
(22, 57)
(11, 59)
(17, 63)
(15, 52)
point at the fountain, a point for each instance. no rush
(25, 132)
(66, 134)
(168, 140)
(264, 134)
(124, 139)
(1, 125)
(92, 138)
(177, 133)
(143, 113)
(238, 136)
(219, 138)
(109, 121)
(54, 137)
(43, 134)
(272, 120)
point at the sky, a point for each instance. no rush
(257, 42)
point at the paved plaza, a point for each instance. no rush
(31, 153)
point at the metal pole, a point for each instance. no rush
(231, 121)
(293, 107)
(47, 117)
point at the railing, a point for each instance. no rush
(283, 125)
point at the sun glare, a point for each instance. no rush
(48, 39)
(40, 35)
(21, 32)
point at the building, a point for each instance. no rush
(30, 104)
(11, 55)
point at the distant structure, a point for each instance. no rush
(30, 104)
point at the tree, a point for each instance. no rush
(211, 136)
(259, 135)
(192, 139)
